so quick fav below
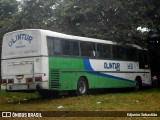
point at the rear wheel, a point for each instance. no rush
(82, 86)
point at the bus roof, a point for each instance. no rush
(73, 37)
(66, 36)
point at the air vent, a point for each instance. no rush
(54, 79)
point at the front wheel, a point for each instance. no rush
(82, 86)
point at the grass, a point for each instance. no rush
(145, 100)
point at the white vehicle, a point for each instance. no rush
(35, 59)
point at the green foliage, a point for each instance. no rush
(115, 20)
(8, 15)
(7, 8)
(36, 13)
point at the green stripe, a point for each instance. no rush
(65, 72)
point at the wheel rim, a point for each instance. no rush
(82, 87)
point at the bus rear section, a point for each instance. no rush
(21, 64)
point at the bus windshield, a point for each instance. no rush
(21, 44)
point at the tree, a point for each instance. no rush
(153, 23)
(153, 16)
(8, 16)
(115, 20)
(36, 13)
(7, 8)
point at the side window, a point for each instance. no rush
(54, 46)
(121, 53)
(74, 46)
(87, 49)
(118, 52)
(104, 51)
(146, 59)
(50, 45)
(143, 59)
(57, 46)
(107, 51)
(100, 51)
(70, 47)
(114, 52)
(66, 47)
(131, 53)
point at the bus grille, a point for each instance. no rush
(54, 79)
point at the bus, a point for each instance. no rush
(43, 60)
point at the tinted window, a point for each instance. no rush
(50, 46)
(54, 46)
(100, 51)
(87, 49)
(143, 59)
(104, 51)
(57, 46)
(114, 52)
(66, 47)
(107, 51)
(131, 53)
(70, 47)
(74, 46)
(118, 52)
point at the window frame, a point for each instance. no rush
(95, 49)
(102, 50)
(62, 48)
(89, 54)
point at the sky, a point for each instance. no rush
(143, 29)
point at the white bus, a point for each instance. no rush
(35, 59)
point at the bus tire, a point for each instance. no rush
(138, 84)
(82, 86)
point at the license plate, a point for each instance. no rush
(18, 87)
